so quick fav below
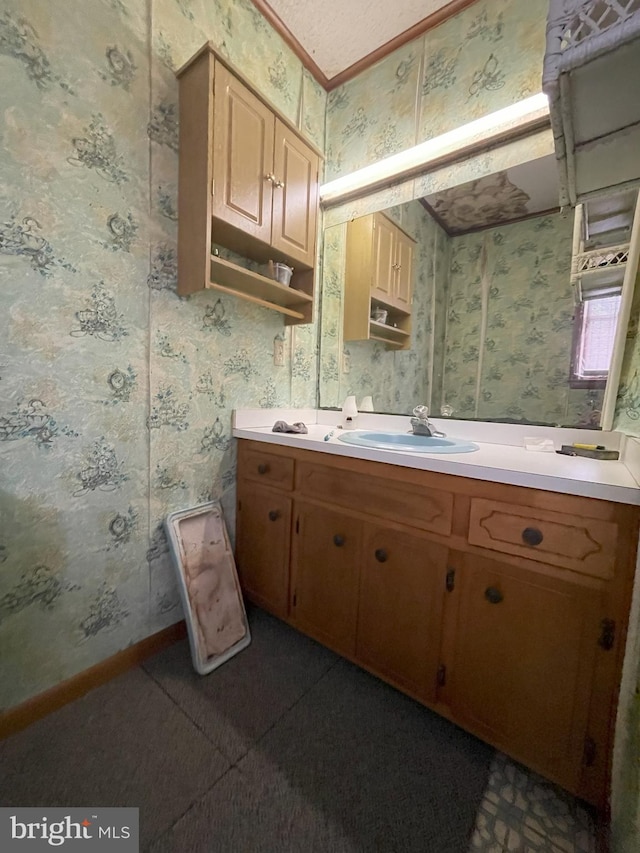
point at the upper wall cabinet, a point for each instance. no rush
(248, 182)
(378, 282)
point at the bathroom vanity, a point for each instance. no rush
(501, 606)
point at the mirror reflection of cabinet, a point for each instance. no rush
(378, 275)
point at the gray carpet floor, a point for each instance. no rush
(286, 748)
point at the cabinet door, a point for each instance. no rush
(522, 667)
(262, 551)
(242, 157)
(383, 274)
(404, 272)
(402, 587)
(325, 569)
(295, 197)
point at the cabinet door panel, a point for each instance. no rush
(295, 204)
(523, 663)
(382, 284)
(404, 272)
(326, 555)
(400, 609)
(264, 535)
(243, 157)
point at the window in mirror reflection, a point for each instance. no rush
(595, 328)
(494, 321)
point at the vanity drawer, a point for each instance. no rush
(585, 545)
(267, 468)
(427, 509)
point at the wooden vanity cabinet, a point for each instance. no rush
(503, 608)
(378, 274)
(248, 182)
(521, 659)
(324, 575)
(263, 528)
(402, 582)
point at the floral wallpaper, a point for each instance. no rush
(510, 324)
(485, 58)
(627, 415)
(115, 394)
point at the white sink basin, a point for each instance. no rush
(407, 441)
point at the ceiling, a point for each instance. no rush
(529, 189)
(361, 31)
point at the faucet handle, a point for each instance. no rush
(421, 412)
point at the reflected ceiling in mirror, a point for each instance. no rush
(506, 196)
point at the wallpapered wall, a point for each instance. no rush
(115, 394)
(509, 332)
(396, 380)
(483, 59)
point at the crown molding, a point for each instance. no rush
(283, 30)
(452, 8)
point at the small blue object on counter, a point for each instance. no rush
(283, 426)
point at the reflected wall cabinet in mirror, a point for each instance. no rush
(248, 184)
(378, 282)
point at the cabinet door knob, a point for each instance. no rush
(263, 468)
(532, 536)
(270, 177)
(338, 540)
(380, 555)
(493, 595)
(279, 184)
(274, 515)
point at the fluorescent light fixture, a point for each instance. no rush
(510, 120)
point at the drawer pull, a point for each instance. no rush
(381, 555)
(338, 540)
(532, 536)
(493, 595)
(263, 468)
(274, 515)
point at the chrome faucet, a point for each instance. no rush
(420, 423)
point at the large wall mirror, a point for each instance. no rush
(496, 330)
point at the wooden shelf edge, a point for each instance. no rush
(232, 275)
(391, 344)
(392, 331)
(212, 285)
(231, 278)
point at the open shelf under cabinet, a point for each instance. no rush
(295, 304)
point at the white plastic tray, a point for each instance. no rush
(208, 583)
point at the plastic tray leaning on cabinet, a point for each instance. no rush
(208, 583)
